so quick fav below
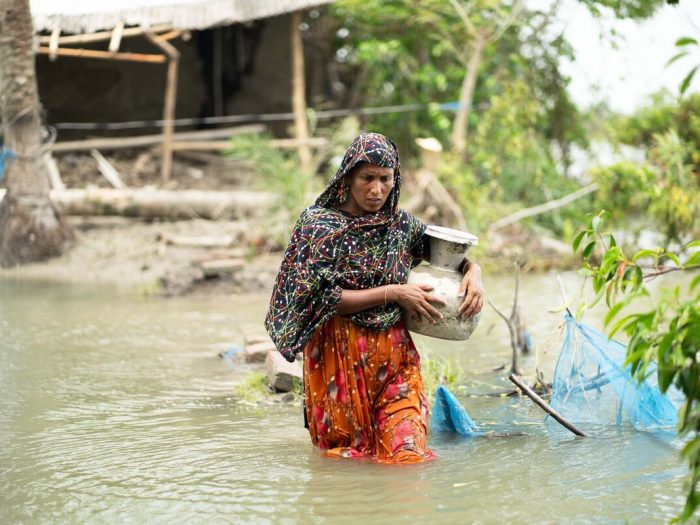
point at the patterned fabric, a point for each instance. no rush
(364, 393)
(331, 250)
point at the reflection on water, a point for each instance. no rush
(116, 408)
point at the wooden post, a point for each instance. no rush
(53, 43)
(301, 129)
(544, 406)
(169, 106)
(116, 39)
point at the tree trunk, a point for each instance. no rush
(164, 204)
(301, 128)
(466, 96)
(30, 228)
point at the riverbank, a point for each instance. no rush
(203, 257)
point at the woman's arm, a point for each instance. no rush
(472, 289)
(414, 298)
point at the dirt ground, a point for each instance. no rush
(143, 255)
(137, 254)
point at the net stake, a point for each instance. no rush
(544, 406)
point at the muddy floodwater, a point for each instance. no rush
(115, 408)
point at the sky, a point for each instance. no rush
(625, 72)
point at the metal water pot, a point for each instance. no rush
(447, 250)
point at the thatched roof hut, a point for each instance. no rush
(87, 16)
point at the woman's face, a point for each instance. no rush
(370, 186)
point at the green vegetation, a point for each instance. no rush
(662, 193)
(436, 371)
(280, 173)
(664, 330)
(253, 387)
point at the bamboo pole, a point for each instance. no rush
(116, 39)
(53, 43)
(177, 145)
(301, 129)
(105, 55)
(111, 143)
(169, 106)
(104, 35)
(218, 145)
(544, 406)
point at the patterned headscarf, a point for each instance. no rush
(331, 250)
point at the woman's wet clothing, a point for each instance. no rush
(364, 393)
(363, 388)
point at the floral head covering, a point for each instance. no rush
(330, 251)
(372, 148)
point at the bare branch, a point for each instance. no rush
(465, 17)
(498, 33)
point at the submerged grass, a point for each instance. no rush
(253, 387)
(438, 370)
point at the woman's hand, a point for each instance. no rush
(473, 291)
(416, 299)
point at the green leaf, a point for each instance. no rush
(578, 239)
(646, 253)
(685, 84)
(677, 56)
(588, 250)
(595, 223)
(638, 278)
(597, 298)
(693, 244)
(613, 312)
(694, 282)
(685, 41)
(673, 257)
(609, 292)
(620, 323)
(627, 278)
(693, 260)
(586, 272)
(613, 242)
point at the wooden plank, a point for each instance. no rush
(217, 145)
(107, 170)
(150, 140)
(54, 174)
(104, 35)
(105, 55)
(200, 242)
(183, 141)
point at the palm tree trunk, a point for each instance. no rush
(30, 228)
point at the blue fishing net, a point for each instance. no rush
(449, 415)
(592, 384)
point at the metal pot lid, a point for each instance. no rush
(450, 235)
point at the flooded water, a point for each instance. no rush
(117, 409)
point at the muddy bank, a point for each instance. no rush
(221, 257)
(143, 256)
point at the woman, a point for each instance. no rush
(338, 298)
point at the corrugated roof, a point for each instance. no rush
(87, 16)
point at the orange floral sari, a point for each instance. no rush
(364, 393)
